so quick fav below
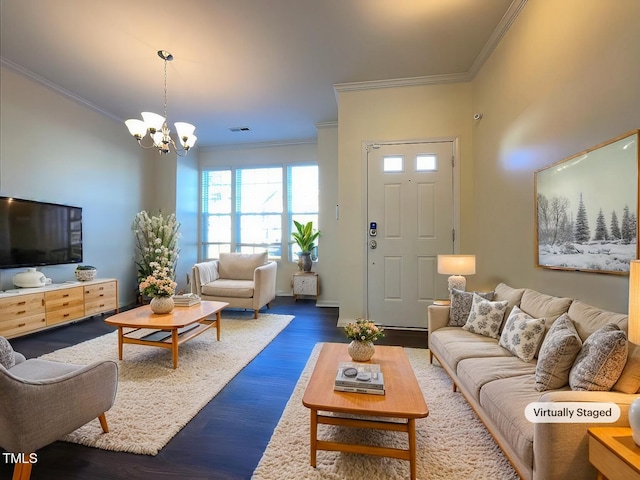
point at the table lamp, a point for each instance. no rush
(634, 337)
(457, 266)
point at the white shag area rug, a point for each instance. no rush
(452, 443)
(154, 401)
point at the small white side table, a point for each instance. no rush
(305, 283)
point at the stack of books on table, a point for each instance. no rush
(186, 300)
(359, 378)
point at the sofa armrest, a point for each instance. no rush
(554, 463)
(437, 317)
(264, 279)
(197, 277)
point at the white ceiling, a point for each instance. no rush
(270, 65)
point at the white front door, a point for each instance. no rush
(411, 220)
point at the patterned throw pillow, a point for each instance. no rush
(600, 361)
(7, 360)
(557, 354)
(461, 306)
(485, 317)
(522, 334)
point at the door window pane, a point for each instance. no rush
(426, 163)
(393, 164)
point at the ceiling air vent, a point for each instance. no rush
(240, 129)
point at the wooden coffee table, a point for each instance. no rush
(171, 329)
(403, 399)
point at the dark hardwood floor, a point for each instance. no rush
(229, 435)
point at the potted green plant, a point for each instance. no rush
(305, 237)
(85, 273)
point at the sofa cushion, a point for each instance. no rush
(7, 359)
(240, 266)
(461, 306)
(506, 293)
(629, 381)
(522, 334)
(541, 305)
(485, 317)
(588, 319)
(453, 344)
(36, 370)
(504, 402)
(229, 288)
(474, 373)
(557, 354)
(600, 361)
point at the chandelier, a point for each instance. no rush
(157, 127)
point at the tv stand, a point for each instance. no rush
(28, 310)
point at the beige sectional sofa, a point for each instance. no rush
(499, 385)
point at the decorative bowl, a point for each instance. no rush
(85, 275)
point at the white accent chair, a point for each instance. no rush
(240, 279)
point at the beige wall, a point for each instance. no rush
(328, 267)
(56, 150)
(390, 114)
(566, 77)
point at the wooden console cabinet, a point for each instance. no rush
(27, 310)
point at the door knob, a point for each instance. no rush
(373, 244)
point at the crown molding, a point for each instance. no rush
(331, 124)
(503, 27)
(402, 82)
(20, 70)
(238, 146)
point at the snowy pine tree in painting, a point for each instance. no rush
(615, 227)
(582, 224)
(601, 228)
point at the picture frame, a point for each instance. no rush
(586, 209)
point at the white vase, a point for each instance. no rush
(162, 305)
(361, 351)
(634, 420)
(29, 279)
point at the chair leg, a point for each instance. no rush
(103, 423)
(255, 314)
(22, 471)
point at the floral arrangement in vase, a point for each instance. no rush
(156, 257)
(362, 334)
(156, 242)
(159, 283)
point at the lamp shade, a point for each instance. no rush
(136, 127)
(634, 302)
(457, 264)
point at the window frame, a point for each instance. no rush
(235, 244)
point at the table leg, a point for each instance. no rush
(314, 436)
(120, 341)
(412, 447)
(218, 322)
(174, 346)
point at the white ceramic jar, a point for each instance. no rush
(29, 279)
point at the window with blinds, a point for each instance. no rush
(252, 209)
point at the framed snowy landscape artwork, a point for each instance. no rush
(587, 209)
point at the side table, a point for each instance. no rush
(305, 283)
(614, 453)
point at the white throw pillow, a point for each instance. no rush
(522, 334)
(485, 317)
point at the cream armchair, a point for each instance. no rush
(41, 401)
(242, 280)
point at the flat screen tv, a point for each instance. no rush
(38, 233)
